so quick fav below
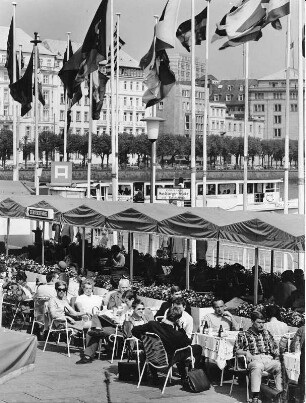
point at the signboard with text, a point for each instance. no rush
(173, 194)
(40, 213)
(61, 173)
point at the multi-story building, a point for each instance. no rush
(51, 116)
(176, 110)
(268, 101)
(180, 64)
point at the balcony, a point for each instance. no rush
(6, 118)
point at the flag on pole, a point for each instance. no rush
(275, 9)
(39, 85)
(9, 53)
(254, 34)
(303, 42)
(220, 31)
(183, 32)
(21, 90)
(108, 64)
(159, 81)
(68, 74)
(94, 45)
(166, 26)
(147, 59)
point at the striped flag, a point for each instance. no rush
(166, 26)
(275, 9)
(183, 32)
(108, 64)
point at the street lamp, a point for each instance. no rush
(152, 131)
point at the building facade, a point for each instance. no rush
(176, 110)
(268, 101)
(52, 115)
(180, 64)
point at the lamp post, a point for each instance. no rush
(152, 131)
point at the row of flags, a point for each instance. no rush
(241, 24)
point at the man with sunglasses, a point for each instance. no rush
(60, 309)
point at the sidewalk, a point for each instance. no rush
(57, 378)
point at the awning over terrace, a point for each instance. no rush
(271, 230)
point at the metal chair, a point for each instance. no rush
(132, 339)
(40, 312)
(114, 338)
(157, 357)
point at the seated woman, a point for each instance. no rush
(274, 325)
(139, 316)
(60, 309)
(87, 301)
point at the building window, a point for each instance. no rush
(240, 97)
(46, 113)
(240, 127)
(161, 106)
(86, 101)
(277, 107)
(5, 96)
(45, 79)
(5, 110)
(251, 128)
(235, 127)
(131, 85)
(229, 88)
(62, 99)
(131, 116)
(124, 101)
(46, 96)
(187, 122)
(216, 98)
(277, 132)
(85, 116)
(124, 116)
(28, 131)
(277, 119)
(78, 131)
(131, 101)
(137, 86)
(259, 108)
(228, 97)
(104, 115)
(293, 107)
(259, 95)
(241, 87)
(5, 76)
(78, 116)
(185, 93)
(62, 115)
(124, 85)
(3, 59)
(277, 95)
(49, 63)
(293, 94)
(137, 102)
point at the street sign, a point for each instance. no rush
(173, 194)
(40, 213)
(61, 173)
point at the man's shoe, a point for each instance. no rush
(96, 333)
(85, 360)
(255, 400)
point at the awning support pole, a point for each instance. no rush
(218, 253)
(43, 245)
(187, 264)
(131, 250)
(83, 249)
(7, 236)
(256, 278)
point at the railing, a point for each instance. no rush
(246, 257)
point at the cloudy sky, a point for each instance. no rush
(53, 18)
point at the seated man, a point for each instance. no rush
(116, 299)
(261, 352)
(220, 317)
(172, 339)
(186, 320)
(175, 292)
(48, 290)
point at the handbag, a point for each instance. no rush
(197, 381)
(128, 371)
(269, 392)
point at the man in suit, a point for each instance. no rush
(116, 299)
(172, 339)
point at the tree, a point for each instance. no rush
(141, 147)
(102, 146)
(28, 147)
(254, 148)
(278, 151)
(6, 145)
(236, 148)
(125, 147)
(293, 152)
(48, 142)
(267, 150)
(77, 143)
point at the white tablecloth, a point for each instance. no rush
(215, 348)
(292, 365)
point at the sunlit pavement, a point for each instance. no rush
(56, 378)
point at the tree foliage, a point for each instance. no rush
(6, 145)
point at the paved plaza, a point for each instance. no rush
(56, 378)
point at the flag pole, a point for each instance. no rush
(35, 41)
(113, 120)
(246, 119)
(117, 95)
(18, 110)
(206, 106)
(193, 159)
(300, 112)
(286, 167)
(15, 159)
(89, 137)
(66, 107)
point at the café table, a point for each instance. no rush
(292, 365)
(217, 349)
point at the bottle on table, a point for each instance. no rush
(201, 328)
(205, 328)
(220, 332)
